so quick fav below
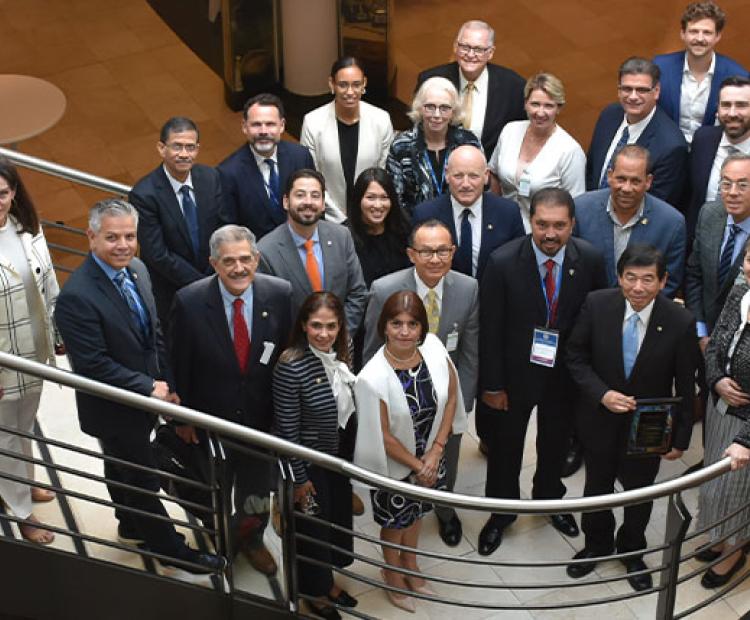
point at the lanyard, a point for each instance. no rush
(439, 187)
(552, 306)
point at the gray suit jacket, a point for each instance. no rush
(341, 269)
(459, 312)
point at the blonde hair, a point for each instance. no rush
(547, 83)
(438, 83)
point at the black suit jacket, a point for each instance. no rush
(512, 305)
(207, 374)
(702, 154)
(245, 197)
(163, 235)
(667, 357)
(104, 342)
(504, 98)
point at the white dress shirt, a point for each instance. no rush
(475, 219)
(725, 149)
(177, 186)
(423, 289)
(644, 317)
(694, 98)
(634, 132)
(478, 101)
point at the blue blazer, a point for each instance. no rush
(671, 66)
(661, 225)
(501, 222)
(664, 141)
(245, 197)
(702, 154)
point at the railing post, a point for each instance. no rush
(285, 491)
(678, 522)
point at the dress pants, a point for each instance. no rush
(251, 478)
(452, 452)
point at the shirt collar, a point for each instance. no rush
(423, 289)
(542, 258)
(640, 125)
(711, 68)
(743, 146)
(261, 159)
(247, 294)
(480, 84)
(633, 220)
(458, 208)
(109, 271)
(644, 315)
(744, 224)
(299, 240)
(177, 185)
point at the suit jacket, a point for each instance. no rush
(703, 295)
(165, 244)
(664, 141)
(207, 374)
(661, 225)
(703, 151)
(667, 357)
(320, 134)
(501, 222)
(505, 101)
(104, 342)
(459, 313)
(512, 305)
(342, 272)
(245, 197)
(671, 66)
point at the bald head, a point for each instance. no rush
(467, 174)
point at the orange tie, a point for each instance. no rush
(311, 266)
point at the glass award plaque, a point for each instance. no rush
(651, 426)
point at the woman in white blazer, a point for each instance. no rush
(346, 136)
(28, 291)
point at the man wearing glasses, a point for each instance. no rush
(179, 206)
(637, 120)
(494, 94)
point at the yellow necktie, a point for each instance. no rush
(433, 313)
(468, 102)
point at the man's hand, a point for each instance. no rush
(731, 392)
(60, 349)
(496, 400)
(161, 390)
(703, 343)
(672, 455)
(301, 491)
(173, 398)
(739, 455)
(617, 402)
(187, 434)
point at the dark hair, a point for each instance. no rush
(553, 197)
(632, 151)
(21, 208)
(298, 339)
(640, 66)
(642, 255)
(395, 222)
(431, 223)
(263, 99)
(304, 173)
(734, 80)
(176, 124)
(344, 63)
(403, 301)
(696, 11)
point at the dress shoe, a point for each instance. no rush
(573, 460)
(324, 611)
(261, 560)
(693, 468)
(344, 599)
(565, 524)
(451, 531)
(128, 536)
(206, 562)
(576, 571)
(358, 507)
(707, 555)
(712, 579)
(639, 583)
(425, 588)
(491, 536)
(402, 601)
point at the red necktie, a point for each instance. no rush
(241, 337)
(549, 287)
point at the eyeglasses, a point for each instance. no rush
(176, 147)
(726, 186)
(639, 90)
(444, 108)
(428, 253)
(476, 49)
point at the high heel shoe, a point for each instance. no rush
(402, 601)
(425, 588)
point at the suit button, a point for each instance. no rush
(38, 270)
(238, 412)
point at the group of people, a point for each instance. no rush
(360, 293)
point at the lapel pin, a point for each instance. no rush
(134, 275)
(572, 272)
(489, 226)
(264, 314)
(318, 380)
(644, 221)
(658, 328)
(329, 242)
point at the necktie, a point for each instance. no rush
(130, 294)
(241, 336)
(273, 183)
(190, 210)
(463, 261)
(549, 287)
(624, 137)
(311, 266)
(468, 102)
(433, 313)
(630, 344)
(725, 260)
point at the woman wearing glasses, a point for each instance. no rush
(418, 156)
(346, 135)
(537, 152)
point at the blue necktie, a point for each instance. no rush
(630, 344)
(273, 185)
(190, 210)
(725, 260)
(624, 137)
(463, 262)
(130, 294)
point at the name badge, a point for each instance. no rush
(268, 348)
(451, 341)
(544, 346)
(524, 185)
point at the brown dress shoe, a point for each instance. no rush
(261, 560)
(358, 508)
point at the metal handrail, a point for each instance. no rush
(286, 448)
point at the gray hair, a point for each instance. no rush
(734, 157)
(230, 233)
(439, 83)
(477, 24)
(111, 207)
(640, 66)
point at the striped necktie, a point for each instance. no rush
(725, 260)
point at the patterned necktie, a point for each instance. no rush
(273, 184)
(550, 284)
(433, 313)
(463, 261)
(130, 294)
(190, 211)
(311, 266)
(624, 137)
(630, 344)
(725, 260)
(241, 335)
(468, 103)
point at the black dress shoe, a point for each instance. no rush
(344, 599)
(451, 531)
(565, 524)
(573, 459)
(576, 571)
(712, 579)
(206, 562)
(491, 535)
(707, 555)
(639, 583)
(325, 611)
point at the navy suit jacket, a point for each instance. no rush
(664, 141)
(702, 154)
(661, 225)
(671, 66)
(501, 222)
(245, 196)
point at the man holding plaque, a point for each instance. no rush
(630, 345)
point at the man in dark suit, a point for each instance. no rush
(637, 120)
(107, 317)
(227, 331)
(530, 297)
(492, 94)
(253, 177)
(179, 206)
(479, 221)
(628, 343)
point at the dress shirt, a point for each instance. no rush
(634, 132)
(423, 289)
(177, 186)
(263, 167)
(111, 273)
(478, 101)
(542, 258)
(725, 149)
(621, 232)
(475, 219)
(228, 298)
(299, 241)
(694, 98)
(644, 316)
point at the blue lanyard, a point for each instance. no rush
(558, 282)
(439, 188)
